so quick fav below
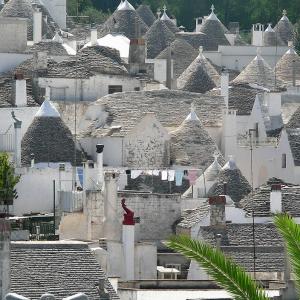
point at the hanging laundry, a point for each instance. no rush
(135, 174)
(192, 176)
(155, 172)
(179, 177)
(171, 175)
(164, 175)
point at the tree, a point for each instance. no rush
(231, 276)
(8, 181)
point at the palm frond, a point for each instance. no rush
(223, 270)
(290, 231)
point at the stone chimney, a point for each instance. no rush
(4, 258)
(40, 61)
(257, 35)
(89, 176)
(94, 35)
(217, 211)
(169, 69)
(37, 24)
(19, 95)
(99, 150)
(225, 86)
(112, 226)
(276, 199)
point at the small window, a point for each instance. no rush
(137, 89)
(115, 89)
(283, 161)
(256, 130)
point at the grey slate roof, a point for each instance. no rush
(169, 106)
(271, 38)
(146, 14)
(258, 72)
(237, 185)
(19, 9)
(294, 140)
(191, 145)
(51, 47)
(182, 54)
(260, 201)
(124, 21)
(199, 77)
(50, 140)
(90, 60)
(157, 38)
(287, 65)
(197, 39)
(62, 269)
(294, 121)
(285, 29)
(171, 25)
(241, 98)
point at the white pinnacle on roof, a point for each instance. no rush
(212, 16)
(47, 110)
(125, 6)
(165, 17)
(192, 115)
(284, 17)
(269, 28)
(57, 38)
(258, 54)
(119, 6)
(230, 165)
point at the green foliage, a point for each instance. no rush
(95, 16)
(8, 180)
(297, 37)
(224, 271)
(291, 235)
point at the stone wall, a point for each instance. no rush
(157, 213)
(217, 211)
(4, 258)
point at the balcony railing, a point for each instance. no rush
(267, 142)
(71, 201)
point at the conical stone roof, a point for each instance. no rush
(288, 66)
(146, 14)
(182, 54)
(257, 72)
(191, 145)
(199, 77)
(124, 21)
(271, 38)
(165, 18)
(214, 29)
(158, 37)
(237, 185)
(294, 122)
(19, 9)
(285, 29)
(48, 138)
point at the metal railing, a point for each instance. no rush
(71, 201)
(7, 143)
(267, 142)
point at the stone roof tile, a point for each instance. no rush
(146, 14)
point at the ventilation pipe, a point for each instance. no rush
(99, 150)
(225, 86)
(37, 24)
(276, 199)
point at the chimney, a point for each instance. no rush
(32, 160)
(4, 257)
(225, 86)
(19, 90)
(99, 150)
(128, 242)
(198, 24)
(40, 61)
(217, 211)
(94, 36)
(169, 69)
(137, 52)
(37, 24)
(112, 226)
(257, 35)
(89, 177)
(218, 240)
(276, 199)
(17, 126)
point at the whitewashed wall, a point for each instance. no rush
(9, 61)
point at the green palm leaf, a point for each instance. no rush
(223, 270)
(290, 231)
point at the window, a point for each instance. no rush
(256, 130)
(283, 161)
(115, 89)
(137, 89)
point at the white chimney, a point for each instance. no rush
(276, 199)
(37, 24)
(94, 36)
(20, 93)
(99, 151)
(17, 126)
(257, 34)
(112, 226)
(89, 176)
(225, 86)
(47, 93)
(128, 242)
